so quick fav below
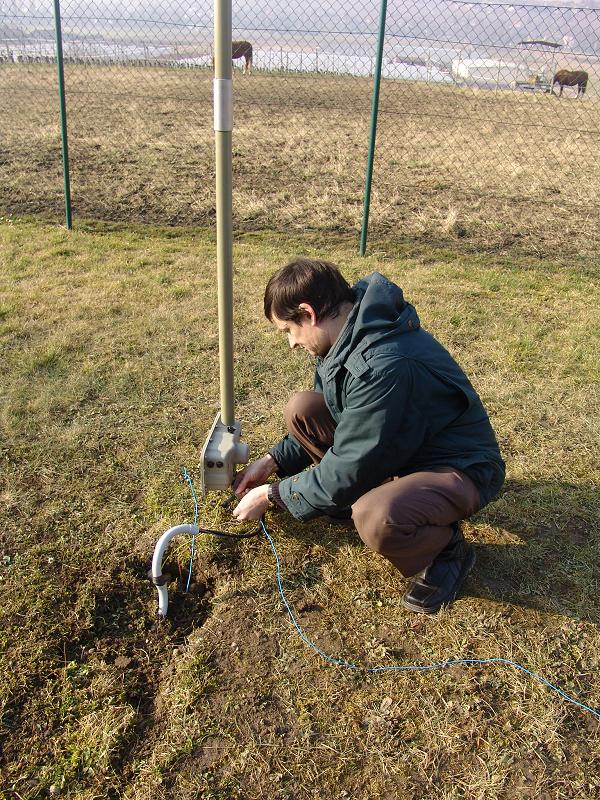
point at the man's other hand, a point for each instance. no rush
(253, 505)
(253, 475)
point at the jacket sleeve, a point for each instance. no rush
(379, 430)
(289, 454)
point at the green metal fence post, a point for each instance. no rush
(374, 111)
(63, 113)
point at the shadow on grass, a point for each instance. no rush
(547, 555)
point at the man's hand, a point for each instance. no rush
(253, 505)
(253, 475)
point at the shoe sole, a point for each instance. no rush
(434, 609)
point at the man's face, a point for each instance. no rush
(306, 334)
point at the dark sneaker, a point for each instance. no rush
(440, 582)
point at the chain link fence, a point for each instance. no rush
(473, 141)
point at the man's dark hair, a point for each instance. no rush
(304, 280)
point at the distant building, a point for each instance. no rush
(483, 71)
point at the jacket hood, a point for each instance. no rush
(379, 309)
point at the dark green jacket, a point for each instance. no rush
(401, 404)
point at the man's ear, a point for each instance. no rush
(309, 311)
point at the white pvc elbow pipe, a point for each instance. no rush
(157, 559)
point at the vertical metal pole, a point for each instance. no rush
(63, 113)
(223, 98)
(374, 111)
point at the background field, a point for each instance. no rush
(108, 356)
(477, 169)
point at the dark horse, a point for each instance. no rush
(565, 77)
(243, 50)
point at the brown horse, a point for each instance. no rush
(565, 77)
(243, 50)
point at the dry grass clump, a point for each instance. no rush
(109, 360)
(521, 168)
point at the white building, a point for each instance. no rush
(483, 71)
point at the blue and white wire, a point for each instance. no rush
(191, 485)
(338, 662)
(409, 667)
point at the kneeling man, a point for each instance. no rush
(398, 437)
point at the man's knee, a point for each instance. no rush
(375, 527)
(300, 406)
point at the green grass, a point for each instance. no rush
(109, 383)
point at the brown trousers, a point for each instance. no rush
(407, 520)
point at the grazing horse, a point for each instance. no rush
(243, 50)
(565, 77)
